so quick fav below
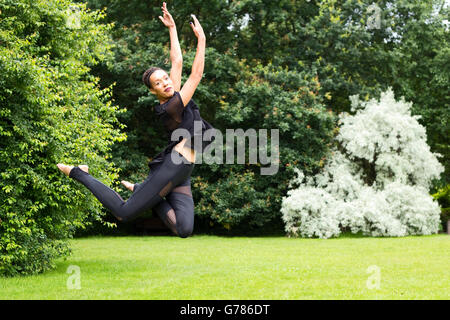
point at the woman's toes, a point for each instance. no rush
(64, 168)
(84, 167)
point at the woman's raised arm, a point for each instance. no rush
(176, 56)
(192, 82)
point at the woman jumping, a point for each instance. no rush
(167, 188)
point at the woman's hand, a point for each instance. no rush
(197, 28)
(167, 19)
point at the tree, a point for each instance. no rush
(234, 93)
(353, 46)
(364, 47)
(267, 98)
(377, 181)
(51, 110)
(359, 47)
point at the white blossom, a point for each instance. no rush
(377, 185)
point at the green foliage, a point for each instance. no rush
(234, 93)
(354, 53)
(421, 73)
(443, 197)
(51, 110)
(409, 51)
(264, 98)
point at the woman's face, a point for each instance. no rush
(162, 85)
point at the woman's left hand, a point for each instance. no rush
(167, 20)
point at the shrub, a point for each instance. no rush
(376, 181)
(51, 111)
(443, 197)
(267, 98)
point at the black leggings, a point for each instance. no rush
(177, 211)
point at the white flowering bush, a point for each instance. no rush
(376, 181)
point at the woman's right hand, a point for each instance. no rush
(167, 19)
(197, 28)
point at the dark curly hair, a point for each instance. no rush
(147, 74)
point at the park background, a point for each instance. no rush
(71, 92)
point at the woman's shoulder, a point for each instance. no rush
(174, 96)
(161, 107)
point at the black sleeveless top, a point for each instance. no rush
(174, 115)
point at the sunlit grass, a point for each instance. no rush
(212, 267)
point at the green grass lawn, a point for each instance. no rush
(212, 267)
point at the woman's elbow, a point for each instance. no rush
(177, 62)
(197, 76)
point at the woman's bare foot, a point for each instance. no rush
(66, 169)
(128, 185)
